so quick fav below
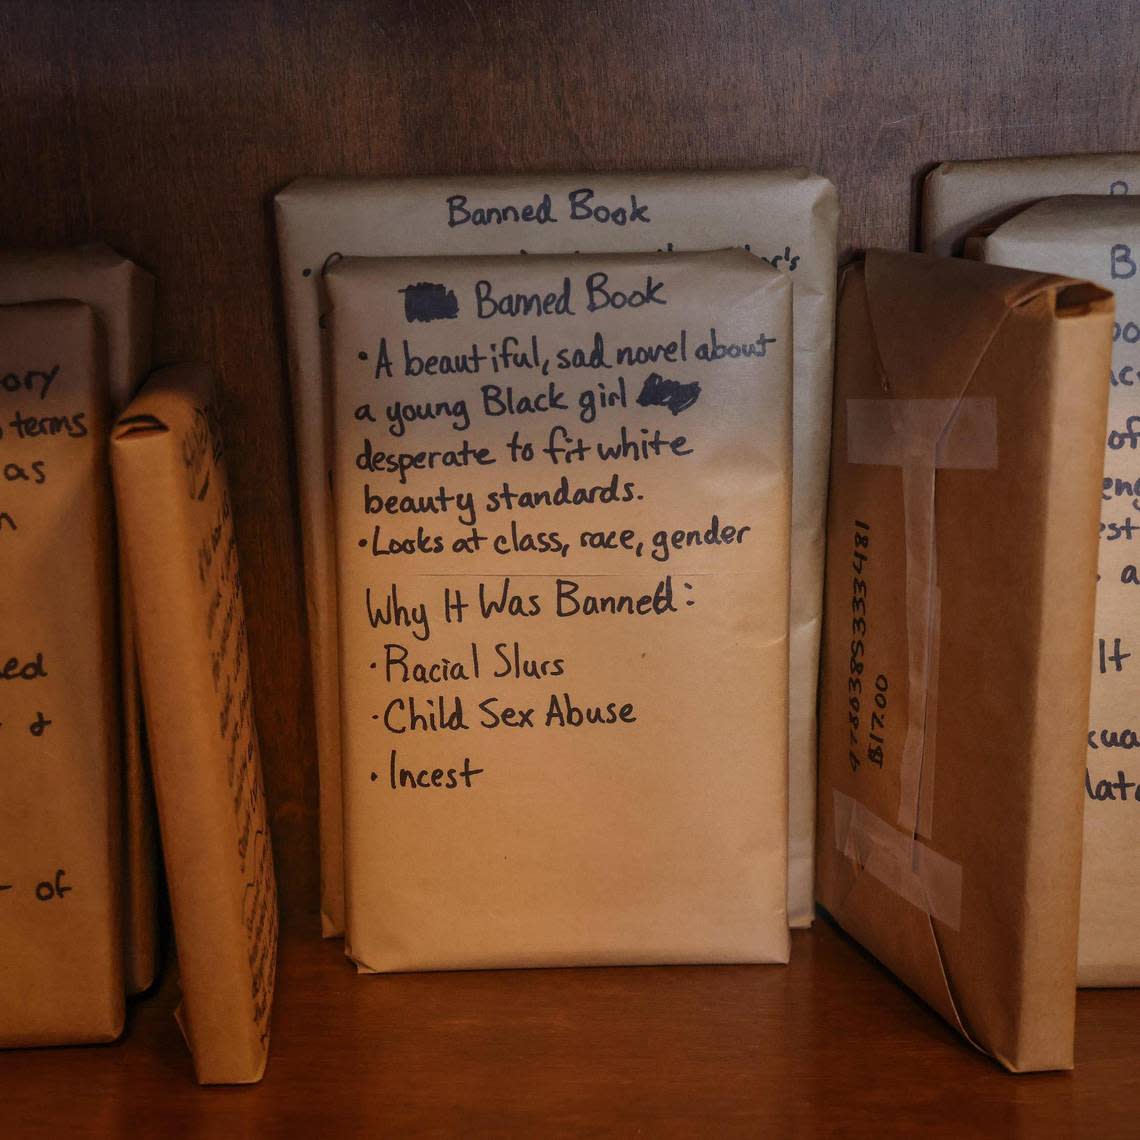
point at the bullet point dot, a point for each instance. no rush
(375, 716)
(362, 355)
(372, 666)
(362, 542)
(375, 777)
(306, 273)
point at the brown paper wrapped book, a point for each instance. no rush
(563, 498)
(121, 296)
(1099, 239)
(61, 953)
(787, 216)
(958, 197)
(178, 534)
(962, 540)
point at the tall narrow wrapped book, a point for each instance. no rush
(563, 492)
(1099, 239)
(962, 544)
(61, 946)
(121, 298)
(178, 534)
(789, 217)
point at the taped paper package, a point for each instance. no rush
(121, 296)
(970, 408)
(178, 535)
(61, 946)
(563, 492)
(789, 217)
(959, 197)
(1099, 239)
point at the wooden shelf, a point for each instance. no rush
(163, 128)
(831, 1044)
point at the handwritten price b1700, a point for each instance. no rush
(857, 696)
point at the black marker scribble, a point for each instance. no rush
(429, 302)
(657, 391)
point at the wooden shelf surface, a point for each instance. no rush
(830, 1045)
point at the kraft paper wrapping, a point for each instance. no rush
(178, 534)
(958, 197)
(1099, 239)
(970, 408)
(61, 950)
(564, 676)
(121, 295)
(788, 217)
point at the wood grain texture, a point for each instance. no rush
(828, 1046)
(163, 128)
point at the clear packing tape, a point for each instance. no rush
(920, 437)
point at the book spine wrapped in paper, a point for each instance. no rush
(178, 533)
(962, 542)
(1099, 239)
(787, 217)
(563, 499)
(61, 951)
(121, 298)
